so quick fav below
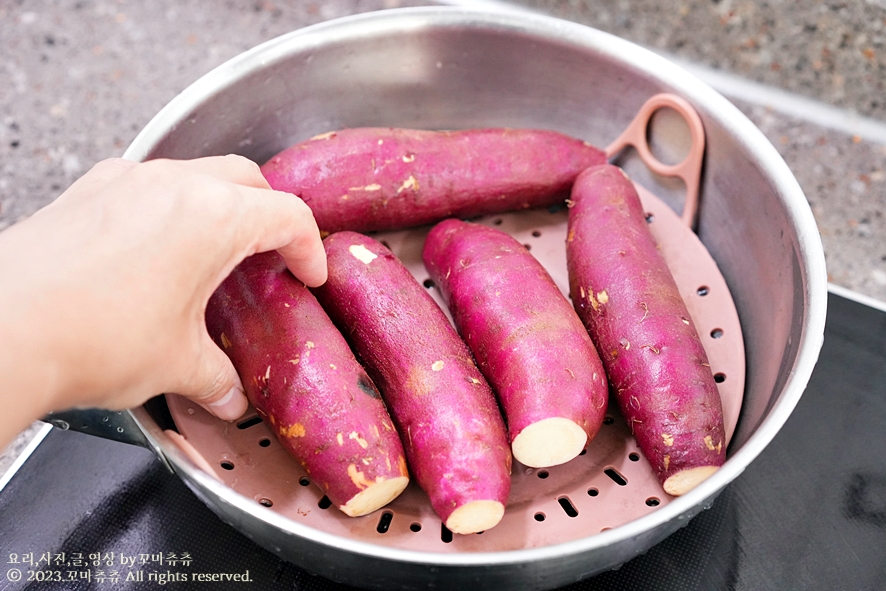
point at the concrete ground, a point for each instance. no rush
(83, 77)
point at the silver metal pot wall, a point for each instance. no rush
(445, 68)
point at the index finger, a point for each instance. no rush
(232, 168)
(280, 221)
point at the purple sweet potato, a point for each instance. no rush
(525, 337)
(627, 298)
(303, 379)
(367, 179)
(446, 414)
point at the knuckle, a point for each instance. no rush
(112, 164)
(244, 165)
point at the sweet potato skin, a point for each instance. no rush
(450, 425)
(301, 376)
(525, 336)
(625, 294)
(367, 179)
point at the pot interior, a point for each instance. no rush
(456, 69)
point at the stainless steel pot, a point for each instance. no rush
(450, 68)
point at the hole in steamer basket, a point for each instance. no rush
(250, 422)
(445, 534)
(384, 522)
(614, 475)
(568, 507)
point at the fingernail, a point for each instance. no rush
(231, 406)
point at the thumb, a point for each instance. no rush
(215, 385)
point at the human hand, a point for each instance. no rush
(103, 292)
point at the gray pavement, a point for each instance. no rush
(83, 77)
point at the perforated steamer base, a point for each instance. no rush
(609, 485)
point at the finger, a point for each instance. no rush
(281, 221)
(307, 261)
(215, 385)
(232, 168)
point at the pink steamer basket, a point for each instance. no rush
(608, 485)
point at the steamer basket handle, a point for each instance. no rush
(689, 170)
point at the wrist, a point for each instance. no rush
(31, 374)
(28, 359)
(28, 389)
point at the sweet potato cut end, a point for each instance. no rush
(375, 497)
(475, 516)
(682, 482)
(549, 442)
